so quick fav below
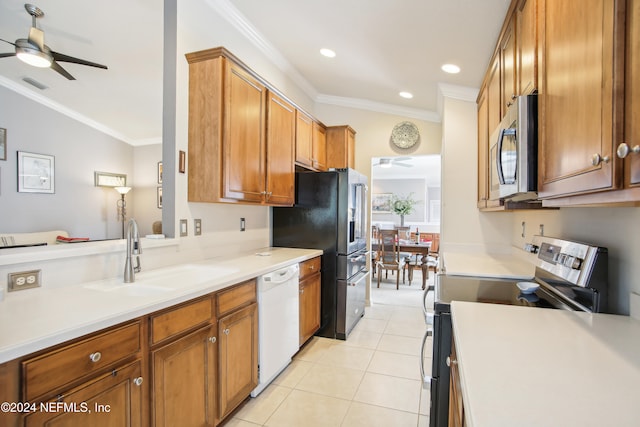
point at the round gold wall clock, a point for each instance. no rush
(405, 135)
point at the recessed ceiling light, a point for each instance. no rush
(407, 95)
(451, 68)
(327, 52)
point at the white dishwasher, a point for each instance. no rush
(278, 323)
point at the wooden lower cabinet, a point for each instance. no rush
(309, 307)
(238, 357)
(111, 399)
(184, 381)
(456, 405)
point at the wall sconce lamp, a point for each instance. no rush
(122, 205)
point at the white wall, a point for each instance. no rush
(463, 226)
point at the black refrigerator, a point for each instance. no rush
(330, 213)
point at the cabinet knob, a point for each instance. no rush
(624, 150)
(301, 291)
(513, 96)
(212, 339)
(597, 159)
(95, 357)
(451, 361)
(138, 381)
(226, 331)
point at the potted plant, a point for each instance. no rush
(402, 206)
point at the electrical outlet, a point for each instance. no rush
(24, 280)
(197, 227)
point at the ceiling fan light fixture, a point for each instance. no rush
(385, 163)
(31, 55)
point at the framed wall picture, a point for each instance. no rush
(159, 197)
(36, 173)
(381, 203)
(108, 179)
(159, 172)
(3, 144)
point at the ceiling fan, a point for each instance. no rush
(33, 51)
(393, 161)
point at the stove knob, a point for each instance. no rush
(576, 264)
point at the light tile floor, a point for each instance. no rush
(372, 379)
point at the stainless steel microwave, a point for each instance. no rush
(513, 153)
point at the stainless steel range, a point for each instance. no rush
(569, 275)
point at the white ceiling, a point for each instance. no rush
(405, 167)
(383, 47)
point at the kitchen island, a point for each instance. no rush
(522, 366)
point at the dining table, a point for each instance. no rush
(419, 249)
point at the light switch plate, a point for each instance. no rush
(183, 228)
(634, 305)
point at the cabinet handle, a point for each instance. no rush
(95, 357)
(624, 150)
(226, 331)
(138, 381)
(451, 361)
(513, 96)
(212, 339)
(597, 159)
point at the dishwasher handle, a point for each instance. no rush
(282, 275)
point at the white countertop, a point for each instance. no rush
(482, 264)
(35, 319)
(522, 366)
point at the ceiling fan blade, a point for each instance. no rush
(56, 67)
(36, 38)
(7, 41)
(66, 58)
(5, 55)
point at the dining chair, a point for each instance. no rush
(404, 233)
(374, 253)
(389, 258)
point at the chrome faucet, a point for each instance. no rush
(134, 247)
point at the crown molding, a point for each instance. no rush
(232, 15)
(461, 93)
(363, 104)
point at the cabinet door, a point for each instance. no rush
(483, 149)
(309, 307)
(577, 98)
(244, 136)
(508, 65)
(281, 131)
(238, 357)
(319, 158)
(494, 97)
(526, 40)
(341, 145)
(632, 93)
(456, 404)
(304, 139)
(112, 399)
(184, 381)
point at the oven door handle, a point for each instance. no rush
(426, 380)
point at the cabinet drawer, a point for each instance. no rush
(236, 297)
(309, 267)
(177, 320)
(55, 369)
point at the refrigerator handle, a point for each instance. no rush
(426, 380)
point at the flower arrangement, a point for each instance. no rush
(403, 205)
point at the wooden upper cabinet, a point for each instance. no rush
(341, 147)
(527, 47)
(483, 149)
(243, 136)
(577, 101)
(632, 96)
(319, 150)
(234, 154)
(281, 134)
(508, 66)
(304, 139)
(494, 97)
